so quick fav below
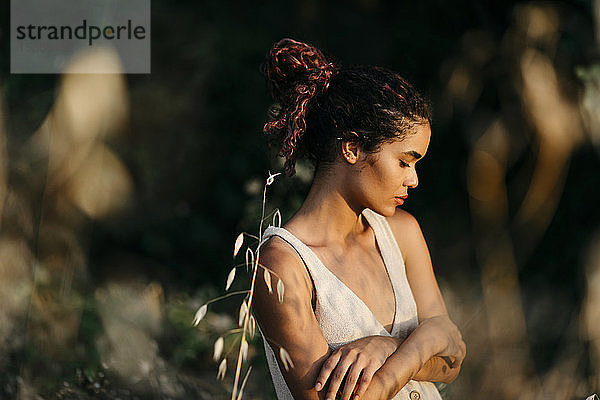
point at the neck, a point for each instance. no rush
(331, 208)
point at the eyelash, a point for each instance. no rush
(403, 164)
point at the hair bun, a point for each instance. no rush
(295, 73)
(290, 64)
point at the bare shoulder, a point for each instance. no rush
(283, 262)
(419, 270)
(405, 228)
(403, 219)
(280, 258)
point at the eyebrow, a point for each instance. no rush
(413, 154)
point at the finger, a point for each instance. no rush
(364, 381)
(338, 374)
(351, 379)
(449, 360)
(326, 369)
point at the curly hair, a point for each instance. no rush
(317, 102)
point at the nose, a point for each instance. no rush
(412, 180)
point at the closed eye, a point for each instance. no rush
(404, 164)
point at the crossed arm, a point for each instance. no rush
(374, 367)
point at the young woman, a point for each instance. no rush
(362, 314)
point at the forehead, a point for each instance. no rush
(417, 140)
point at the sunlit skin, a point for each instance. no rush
(376, 180)
(345, 243)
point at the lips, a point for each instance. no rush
(400, 199)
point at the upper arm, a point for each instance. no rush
(419, 270)
(291, 323)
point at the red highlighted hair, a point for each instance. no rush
(317, 102)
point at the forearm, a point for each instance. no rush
(380, 385)
(389, 363)
(437, 339)
(407, 362)
(408, 359)
(436, 369)
(386, 385)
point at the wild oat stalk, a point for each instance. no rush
(245, 317)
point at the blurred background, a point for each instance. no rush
(121, 196)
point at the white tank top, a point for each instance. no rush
(343, 316)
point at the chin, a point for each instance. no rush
(393, 212)
(387, 211)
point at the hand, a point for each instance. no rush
(364, 355)
(451, 348)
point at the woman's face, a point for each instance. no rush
(383, 178)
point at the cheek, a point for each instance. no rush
(383, 183)
(381, 178)
(397, 179)
(393, 175)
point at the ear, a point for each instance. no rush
(350, 151)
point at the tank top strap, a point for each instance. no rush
(316, 269)
(392, 257)
(385, 237)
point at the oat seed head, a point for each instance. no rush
(230, 278)
(244, 346)
(200, 314)
(277, 219)
(285, 359)
(252, 326)
(222, 369)
(219, 344)
(249, 258)
(243, 313)
(280, 290)
(267, 277)
(238, 244)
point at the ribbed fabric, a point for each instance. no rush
(343, 316)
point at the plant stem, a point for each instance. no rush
(238, 366)
(227, 295)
